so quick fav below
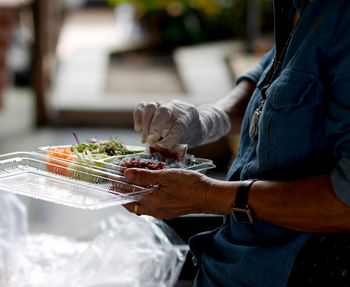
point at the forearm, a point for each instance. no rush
(235, 103)
(307, 204)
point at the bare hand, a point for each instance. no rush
(179, 192)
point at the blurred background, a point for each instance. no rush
(83, 65)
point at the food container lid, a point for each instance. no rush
(35, 175)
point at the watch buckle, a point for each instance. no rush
(247, 213)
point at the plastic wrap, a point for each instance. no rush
(123, 251)
(13, 232)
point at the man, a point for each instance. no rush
(286, 201)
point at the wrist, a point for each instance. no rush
(241, 210)
(214, 123)
(218, 197)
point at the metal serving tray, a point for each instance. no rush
(31, 174)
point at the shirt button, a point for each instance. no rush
(194, 261)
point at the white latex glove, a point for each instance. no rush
(180, 123)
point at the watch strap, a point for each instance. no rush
(241, 200)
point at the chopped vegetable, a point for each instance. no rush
(84, 159)
(76, 137)
(108, 147)
(60, 158)
(54, 156)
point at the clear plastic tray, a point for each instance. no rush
(190, 162)
(58, 181)
(112, 163)
(96, 161)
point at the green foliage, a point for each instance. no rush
(210, 7)
(179, 22)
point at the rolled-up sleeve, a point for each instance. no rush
(255, 73)
(338, 119)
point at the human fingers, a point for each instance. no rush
(147, 117)
(185, 115)
(143, 115)
(133, 207)
(174, 135)
(161, 121)
(138, 115)
(142, 176)
(161, 178)
(129, 206)
(140, 209)
(178, 191)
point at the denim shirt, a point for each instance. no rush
(304, 130)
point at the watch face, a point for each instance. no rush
(242, 215)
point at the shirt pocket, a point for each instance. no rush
(293, 120)
(292, 88)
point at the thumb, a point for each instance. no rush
(142, 176)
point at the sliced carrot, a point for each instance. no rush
(59, 153)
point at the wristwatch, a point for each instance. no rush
(240, 209)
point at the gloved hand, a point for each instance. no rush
(180, 123)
